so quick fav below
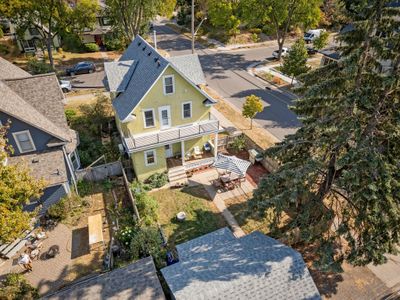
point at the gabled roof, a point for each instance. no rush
(118, 74)
(148, 66)
(137, 281)
(11, 71)
(37, 101)
(190, 66)
(252, 267)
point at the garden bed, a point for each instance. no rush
(202, 216)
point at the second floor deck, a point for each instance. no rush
(140, 142)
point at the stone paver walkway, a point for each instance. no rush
(47, 274)
(206, 178)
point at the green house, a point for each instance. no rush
(161, 111)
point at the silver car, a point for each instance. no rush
(65, 86)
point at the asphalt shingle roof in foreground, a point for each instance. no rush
(137, 281)
(252, 267)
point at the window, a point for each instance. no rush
(169, 85)
(186, 110)
(24, 141)
(148, 116)
(150, 157)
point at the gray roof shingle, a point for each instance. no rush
(147, 70)
(137, 281)
(190, 66)
(48, 165)
(118, 74)
(9, 70)
(252, 267)
(36, 100)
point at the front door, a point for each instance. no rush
(168, 151)
(165, 117)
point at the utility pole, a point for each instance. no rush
(192, 26)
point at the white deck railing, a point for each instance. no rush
(141, 142)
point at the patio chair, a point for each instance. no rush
(197, 153)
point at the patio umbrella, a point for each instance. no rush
(232, 163)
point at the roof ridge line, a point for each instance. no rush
(30, 77)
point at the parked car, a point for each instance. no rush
(311, 51)
(65, 86)
(311, 35)
(285, 52)
(81, 68)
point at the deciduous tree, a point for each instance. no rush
(338, 185)
(295, 63)
(224, 14)
(49, 17)
(281, 15)
(321, 41)
(251, 107)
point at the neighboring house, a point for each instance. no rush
(31, 41)
(161, 111)
(137, 281)
(38, 132)
(220, 266)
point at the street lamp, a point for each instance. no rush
(194, 32)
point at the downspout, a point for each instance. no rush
(71, 169)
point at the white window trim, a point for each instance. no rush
(173, 84)
(155, 157)
(17, 141)
(144, 118)
(191, 110)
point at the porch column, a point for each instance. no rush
(216, 145)
(183, 152)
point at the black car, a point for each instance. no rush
(81, 68)
(311, 51)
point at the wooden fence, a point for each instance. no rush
(99, 173)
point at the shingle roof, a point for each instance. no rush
(148, 66)
(118, 74)
(147, 71)
(9, 70)
(36, 100)
(48, 165)
(137, 281)
(252, 267)
(190, 66)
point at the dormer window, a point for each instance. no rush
(24, 141)
(169, 85)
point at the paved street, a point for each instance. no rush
(226, 73)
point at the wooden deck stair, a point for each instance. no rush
(177, 176)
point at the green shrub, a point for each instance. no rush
(85, 188)
(147, 241)
(113, 43)
(148, 208)
(71, 42)
(36, 66)
(255, 38)
(239, 143)
(92, 47)
(4, 49)
(70, 114)
(255, 30)
(157, 180)
(58, 210)
(1, 33)
(126, 235)
(15, 286)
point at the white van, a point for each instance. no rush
(311, 35)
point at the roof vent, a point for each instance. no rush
(35, 160)
(148, 54)
(144, 48)
(139, 44)
(158, 64)
(155, 59)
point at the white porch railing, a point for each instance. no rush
(141, 142)
(199, 163)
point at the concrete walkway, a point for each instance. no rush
(218, 197)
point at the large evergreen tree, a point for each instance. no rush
(338, 186)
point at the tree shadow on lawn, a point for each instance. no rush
(197, 191)
(198, 223)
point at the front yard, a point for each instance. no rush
(202, 216)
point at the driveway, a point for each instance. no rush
(88, 81)
(226, 73)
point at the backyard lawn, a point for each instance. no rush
(202, 216)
